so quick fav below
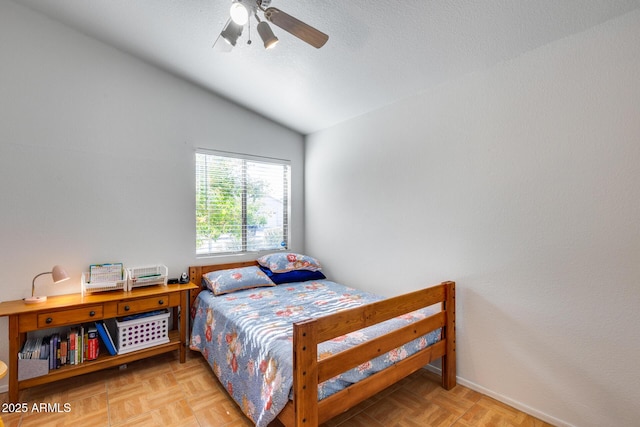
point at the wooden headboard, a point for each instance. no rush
(196, 272)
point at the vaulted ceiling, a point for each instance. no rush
(378, 51)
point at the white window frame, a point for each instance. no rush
(206, 247)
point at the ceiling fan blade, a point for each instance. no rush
(296, 27)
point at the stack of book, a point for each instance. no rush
(73, 347)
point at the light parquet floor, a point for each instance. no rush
(163, 392)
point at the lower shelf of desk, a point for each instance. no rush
(104, 361)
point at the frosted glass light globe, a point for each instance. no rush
(239, 14)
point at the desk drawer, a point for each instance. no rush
(69, 317)
(143, 304)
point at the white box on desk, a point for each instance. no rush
(147, 276)
(91, 287)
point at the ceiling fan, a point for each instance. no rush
(241, 12)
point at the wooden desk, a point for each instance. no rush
(74, 309)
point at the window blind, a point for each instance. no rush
(242, 203)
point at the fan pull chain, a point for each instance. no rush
(249, 25)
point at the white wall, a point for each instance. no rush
(522, 184)
(97, 157)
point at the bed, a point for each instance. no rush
(337, 358)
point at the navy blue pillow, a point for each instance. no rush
(293, 276)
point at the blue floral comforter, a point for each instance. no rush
(246, 337)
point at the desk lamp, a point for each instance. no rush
(59, 275)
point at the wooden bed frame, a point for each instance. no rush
(305, 410)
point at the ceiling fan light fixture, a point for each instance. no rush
(267, 36)
(239, 13)
(231, 32)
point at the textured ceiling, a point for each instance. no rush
(378, 51)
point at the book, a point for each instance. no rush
(106, 338)
(93, 347)
(52, 352)
(72, 346)
(85, 341)
(58, 351)
(78, 340)
(63, 352)
(81, 344)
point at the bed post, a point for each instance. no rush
(195, 276)
(449, 359)
(305, 374)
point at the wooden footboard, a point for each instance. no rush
(305, 410)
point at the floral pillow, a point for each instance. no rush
(281, 262)
(227, 281)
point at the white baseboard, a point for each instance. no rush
(515, 404)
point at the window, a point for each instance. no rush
(242, 203)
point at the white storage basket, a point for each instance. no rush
(142, 332)
(90, 287)
(147, 276)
